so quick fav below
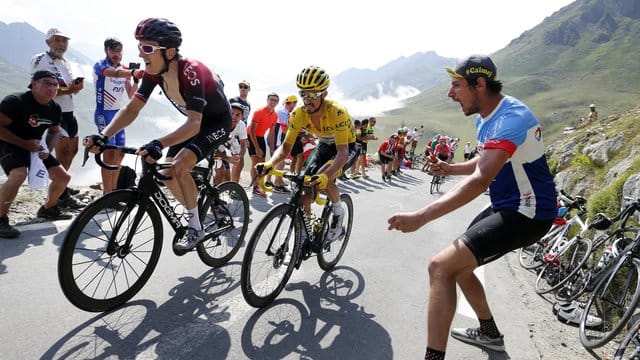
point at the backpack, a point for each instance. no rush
(126, 178)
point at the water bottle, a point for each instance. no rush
(607, 255)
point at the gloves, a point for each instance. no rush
(154, 149)
(98, 140)
(320, 180)
(264, 168)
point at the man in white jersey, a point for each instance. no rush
(67, 146)
(523, 203)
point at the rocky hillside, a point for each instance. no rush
(600, 161)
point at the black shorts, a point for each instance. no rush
(363, 149)
(207, 140)
(325, 152)
(13, 157)
(384, 159)
(297, 148)
(443, 157)
(69, 124)
(494, 233)
(261, 143)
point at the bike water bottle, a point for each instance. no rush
(607, 254)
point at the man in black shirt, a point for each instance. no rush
(24, 118)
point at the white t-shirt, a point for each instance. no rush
(43, 61)
(238, 133)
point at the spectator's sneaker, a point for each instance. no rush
(70, 202)
(343, 177)
(72, 191)
(191, 240)
(355, 175)
(258, 191)
(282, 189)
(573, 317)
(268, 183)
(53, 213)
(7, 231)
(336, 229)
(473, 336)
(365, 176)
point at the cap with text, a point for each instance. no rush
(55, 32)
(473, 67)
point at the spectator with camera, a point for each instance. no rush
(113, 91)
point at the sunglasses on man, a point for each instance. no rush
(150, 49)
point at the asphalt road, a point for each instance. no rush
(371, 306)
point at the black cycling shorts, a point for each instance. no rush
(384, 159)
(70, 124)
(261, 143)
(494, 233)
(13, 157)
(325, 152)
(207, 140)
(297, 148)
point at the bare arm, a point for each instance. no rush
(466, 190)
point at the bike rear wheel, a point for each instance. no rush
(97, 274)
(230, 210)
(331, 252)
(434, 184)
(614, 300)
(270, 256)
(560, 268)
(629, 348)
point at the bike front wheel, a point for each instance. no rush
(270, 256)
(225, 219)
(558, 269)
(98, 269)
(331, 251)
(612, 303)
(629, 348)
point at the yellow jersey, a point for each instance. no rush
(335, 124)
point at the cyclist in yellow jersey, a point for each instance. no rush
(332, 125)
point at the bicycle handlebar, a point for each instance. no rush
(299, 179)
(153, 168)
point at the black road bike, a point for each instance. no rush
(285, 237)
(112, 247)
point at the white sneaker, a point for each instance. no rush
(190, 241)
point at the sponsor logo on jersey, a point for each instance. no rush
(35, 121)
(538, 134)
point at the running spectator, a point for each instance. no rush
(197, 93)
(357, 132)
(399, 151)
(67, 146)
(24, 117)
(113, 90)
(386, 155)
(453, 146)
(264, 119)
(523, 203)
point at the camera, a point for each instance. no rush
(134, 66)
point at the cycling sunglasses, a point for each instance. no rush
(149, 49)
(310, 94)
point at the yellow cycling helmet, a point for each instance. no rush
(313, 78)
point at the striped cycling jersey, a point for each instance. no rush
(524, 184)
(111, 93)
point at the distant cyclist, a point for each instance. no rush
(197, 93)
(442, 149)
(332, 124)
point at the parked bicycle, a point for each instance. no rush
(629, 348)
(532, 256)
(614, 299)
(288, 235)
(565, 256)
(112, 247)
(606, 248)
